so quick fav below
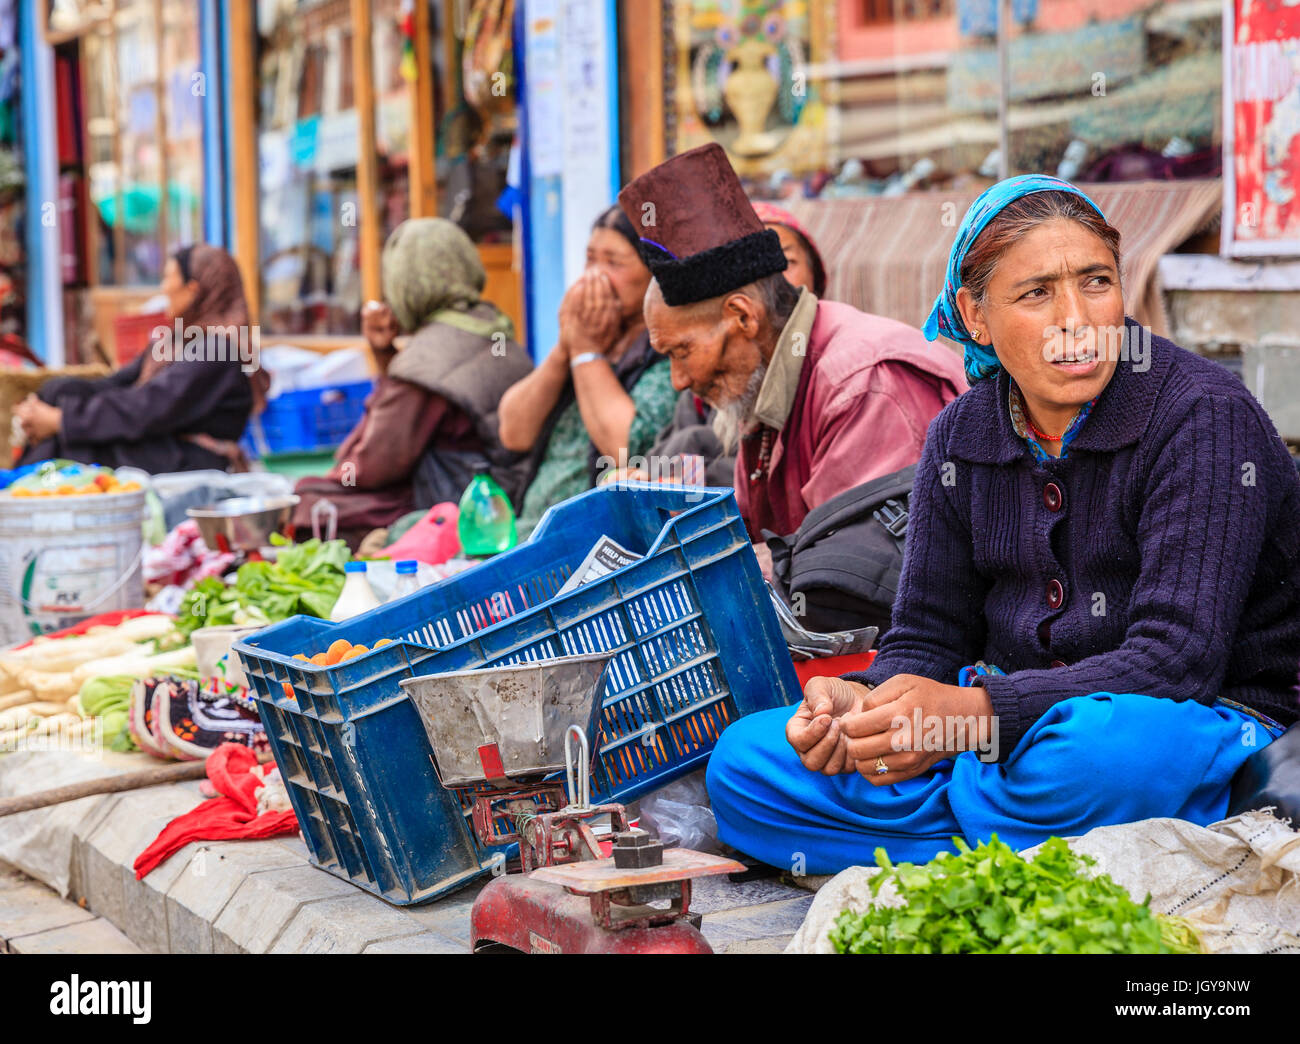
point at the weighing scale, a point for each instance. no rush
(496, 734)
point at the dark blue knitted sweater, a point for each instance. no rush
(1162, 556)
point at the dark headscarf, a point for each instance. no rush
(219, 301)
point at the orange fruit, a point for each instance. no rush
(300, 656)
(383, 642)
(288, 690)
(354, 652)
(321, 660)
(340, 647)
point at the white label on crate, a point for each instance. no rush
(541, 945)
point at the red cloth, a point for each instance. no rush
(231, 817)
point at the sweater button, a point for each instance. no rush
(1055, 594)
(1052, 498)
(1058, 663)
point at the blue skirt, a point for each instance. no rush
(1089, 761)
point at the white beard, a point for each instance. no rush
(730, 420)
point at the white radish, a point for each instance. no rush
(17, 699)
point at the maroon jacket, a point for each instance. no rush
(868, 389)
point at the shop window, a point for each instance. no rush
(138, 148)
(855, 98)
(308, 135)
(479, 128)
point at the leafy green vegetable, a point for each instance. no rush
(304, 578)
(117, 732)
(108, 697)
(104, 693)
(991, 900)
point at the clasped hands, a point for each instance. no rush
(843, 726)
(39, 420)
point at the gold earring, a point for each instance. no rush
(975, 335)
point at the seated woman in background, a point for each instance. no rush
(1107, 518)
(182, 404)
(691, 429)
(432, 416)
(602, 391)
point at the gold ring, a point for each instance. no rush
(881, 767)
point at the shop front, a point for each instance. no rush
(877, 123)
(295, 134)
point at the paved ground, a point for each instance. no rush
(250, 896)
(330, 915)
(33, 919)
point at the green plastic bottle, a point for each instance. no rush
(487, 521)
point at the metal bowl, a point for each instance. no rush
(244, 523)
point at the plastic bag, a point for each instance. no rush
(680, 814)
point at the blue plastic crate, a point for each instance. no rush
(696, 645)
(307, 420)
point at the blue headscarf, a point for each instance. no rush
(981, 360)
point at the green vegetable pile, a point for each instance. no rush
(305, 578)
(109, 697)
(991, 900)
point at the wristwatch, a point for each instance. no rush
(585, 357)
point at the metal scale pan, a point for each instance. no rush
(507, 723)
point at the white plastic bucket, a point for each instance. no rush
(63, 559)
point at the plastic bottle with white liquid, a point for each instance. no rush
(357, 596)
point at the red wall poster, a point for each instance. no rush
(1261, 97)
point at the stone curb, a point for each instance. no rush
(33, 919)
(211, 896)
(265, 896)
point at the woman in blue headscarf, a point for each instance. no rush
(1098, 619)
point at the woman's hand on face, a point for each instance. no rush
(590, 316)
(379, 325)
(816, 730)
(886, 729)
(39, 420)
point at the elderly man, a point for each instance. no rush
(821, 396)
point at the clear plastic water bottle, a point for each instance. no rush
(408, 582)
(487, 521)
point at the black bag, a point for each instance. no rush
(840, 570)
(442, 475)
(1270, 777)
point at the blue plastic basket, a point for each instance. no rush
(307, 420)
(695, 640)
